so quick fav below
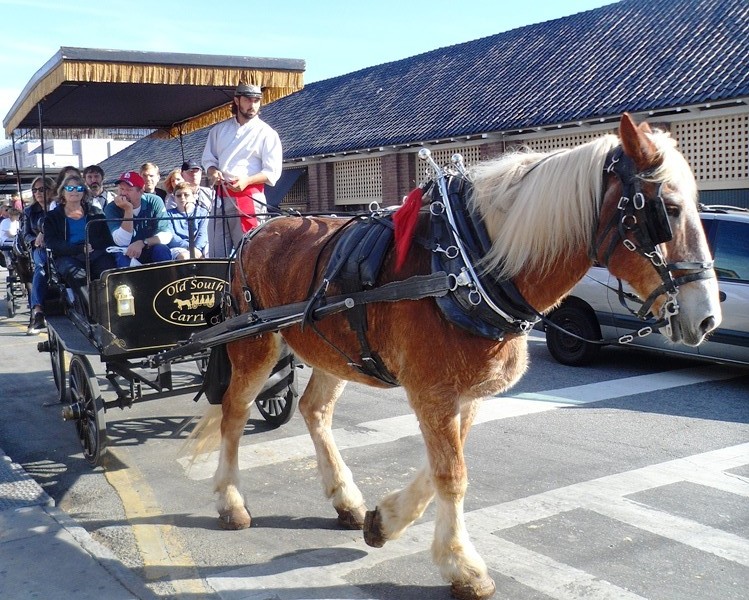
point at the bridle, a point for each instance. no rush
(647, 222)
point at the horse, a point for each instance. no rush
(548, 217)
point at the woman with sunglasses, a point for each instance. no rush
(42, 191)
(74, 229)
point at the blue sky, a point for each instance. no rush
(334, 37)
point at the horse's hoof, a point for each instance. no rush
(473, 590)
(351, 519)
(373, 535)
(235, 519)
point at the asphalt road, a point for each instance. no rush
(625, 480)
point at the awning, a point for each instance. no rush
(81, 88)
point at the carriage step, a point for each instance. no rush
(73, 411)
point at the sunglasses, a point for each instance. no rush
(75, 188)
(37, 190)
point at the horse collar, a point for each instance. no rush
(477, 301)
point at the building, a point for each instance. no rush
(353, 139)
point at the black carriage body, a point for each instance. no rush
(143, 310)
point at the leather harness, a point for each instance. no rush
(473, 300)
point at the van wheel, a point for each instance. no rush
(566, 349)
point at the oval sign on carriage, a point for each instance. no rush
(186, 301)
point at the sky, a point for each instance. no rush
(333, 37)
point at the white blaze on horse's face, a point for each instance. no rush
(698, 301)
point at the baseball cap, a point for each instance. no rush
(191, 164)
(249, 90)
(132, 178)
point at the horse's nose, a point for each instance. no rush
(708, 325)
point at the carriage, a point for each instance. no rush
(131, 314)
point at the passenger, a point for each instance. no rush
(9, 229)
(151, 176)
(192, 173)
(16, 201)
(4, 208)
(62, 176)
(94, 176)
(187, 215)
(42, 191)
(174, 177)
(241, 155)
(70, 240)
(145, 237)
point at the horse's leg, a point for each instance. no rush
(316, 405)
(444, 431)
(252, 362)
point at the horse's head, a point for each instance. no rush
(649, 233)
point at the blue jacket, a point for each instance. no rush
(179, 227)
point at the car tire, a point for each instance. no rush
(566, 349)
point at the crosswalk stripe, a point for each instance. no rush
(328, 568)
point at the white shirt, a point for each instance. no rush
(102, 199)
(244, 150)
(8, 231)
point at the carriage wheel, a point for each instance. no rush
(87, 409)
(277, 410)
(57, 358)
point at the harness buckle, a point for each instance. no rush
(626, 339)
(623, 200)
(526, 326)
(639, 200)
(450, 252)
(645, 331)
(464, 278)
(437, 208)
(656, 258)
(610, 167)
(629, 245)
(474, 297)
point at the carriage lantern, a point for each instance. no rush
(125, 301)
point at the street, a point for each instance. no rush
(625, 480)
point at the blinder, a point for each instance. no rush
(656, 221)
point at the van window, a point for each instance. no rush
(731, 250)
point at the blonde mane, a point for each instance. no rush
(539, 207)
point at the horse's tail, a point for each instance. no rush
(206, 435)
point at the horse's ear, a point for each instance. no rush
(635, 142)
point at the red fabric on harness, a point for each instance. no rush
(246, 205)
(405, 219)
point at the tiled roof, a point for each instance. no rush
(633, 55)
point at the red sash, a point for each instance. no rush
(246, 205)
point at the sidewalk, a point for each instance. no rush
(44, 554)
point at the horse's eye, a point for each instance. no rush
(672, 210)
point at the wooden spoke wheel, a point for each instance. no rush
(277, 410)
(87, 410)
(59, 372)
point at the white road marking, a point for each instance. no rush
(315, 570)
(385, 431)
